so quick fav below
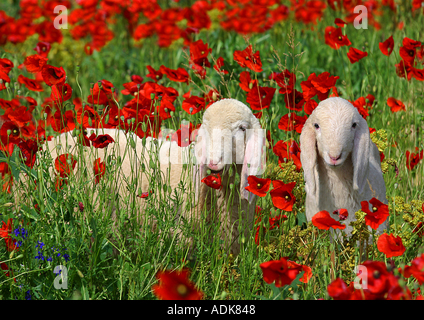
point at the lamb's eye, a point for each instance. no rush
(242, 128)
(354, 125)
(316, 125)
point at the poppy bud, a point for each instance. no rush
(132, 143)
(214, 96)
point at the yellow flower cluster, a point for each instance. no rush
(360, 229)
(296, 240)
(379, 137)
(412, 213)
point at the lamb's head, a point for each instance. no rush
(335, 122)
(334, 131)
(229, 134)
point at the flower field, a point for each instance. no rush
(153, 67)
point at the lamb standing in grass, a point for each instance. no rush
(340, 162)
(230, 143)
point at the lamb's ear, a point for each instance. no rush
(200, 153)
(254, 161)
(308, 157)
(360, 155)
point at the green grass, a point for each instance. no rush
(101, 266)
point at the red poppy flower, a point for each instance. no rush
(20, 116)
(101, 93)
(292, 121)
(258, 186)
(143, 195)
(404, 70)
(246, 82)
(419, 228)
(247, 59)
(213, 181)
(286, 81)
(178, 75)
(99, 169)
(360, 104)
(29, 150)
(87, 116)
(318, 85)
(387, 46)
(65, 164)
(7, 177)
(260, 97)
(335, 38)
(193, 105)
(294, 100)
(6, 65)
(184, 135)
(175, 285)
(5, 233)
(219, 64)
(282, 196)
(288, 150)
(156, 75)
(416, 269)
(101, 141)
(30, 84)
(53, 75)
(379, 280)
(6, 271)
(6, 228)
(355, 55)
(43, 48)
(310, 106)
(34, 63)
(339, 22)
(199, 53)
(62, 122)
(395, 105)
(390, 245)
(61, 93)
(413, 159)
(342, 213)
(323, 221)
(379, 213)
(280, 271)
(308, 271)
(408, 50)
(10, 134)
(338, 290)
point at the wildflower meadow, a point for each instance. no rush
(153, 67)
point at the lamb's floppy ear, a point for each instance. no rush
(254, 161)
(308, 157)
(200, 152)
(360, 155)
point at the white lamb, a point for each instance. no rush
(340, 162)
(230, 139)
